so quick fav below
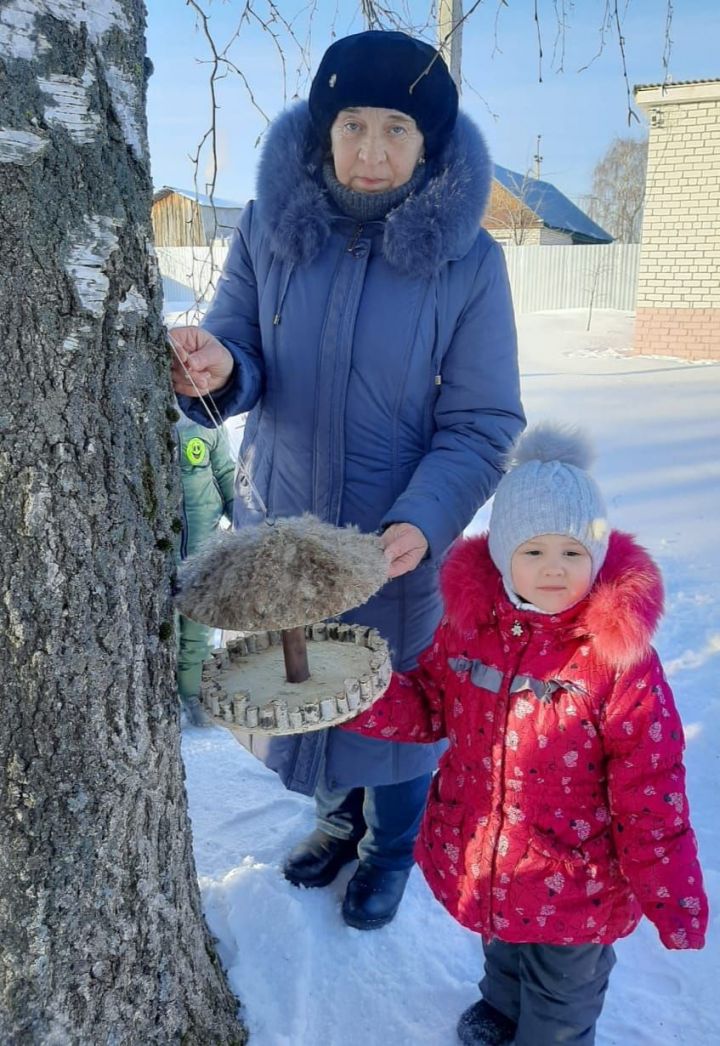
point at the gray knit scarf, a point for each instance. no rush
(366, 206)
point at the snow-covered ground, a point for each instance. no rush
(305, 978)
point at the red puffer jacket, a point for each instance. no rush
(558, 813)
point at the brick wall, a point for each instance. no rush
(678, 299)
(510, 220)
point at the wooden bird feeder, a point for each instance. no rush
(277, 585)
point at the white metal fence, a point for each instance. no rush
(190, 273)
(546, 277)
(568, 277)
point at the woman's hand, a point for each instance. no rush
(405, 546)
(202, 358)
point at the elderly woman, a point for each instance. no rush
(364, 319)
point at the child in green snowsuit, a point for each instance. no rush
(207, 471)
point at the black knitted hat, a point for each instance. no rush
(387, 70)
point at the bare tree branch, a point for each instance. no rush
(561, 22)
(631, 114)
(445, 40)
(612, 19)
(539, 39)
(667, 51)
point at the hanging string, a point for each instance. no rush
(207, 402)
(215, 417)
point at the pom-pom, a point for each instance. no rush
(548, 441)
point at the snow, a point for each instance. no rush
(305, 978)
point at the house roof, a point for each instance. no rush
(675, 83)
(551, 206)
(202, 199)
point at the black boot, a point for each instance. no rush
(483, 1025)
(318, 859)
(373, 896)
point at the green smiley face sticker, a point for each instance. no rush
(195, 451)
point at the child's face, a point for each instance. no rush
(551, 571)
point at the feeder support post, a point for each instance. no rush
(295, 654)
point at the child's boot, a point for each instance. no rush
(317, 860)
(482, 1025)
(373, 896)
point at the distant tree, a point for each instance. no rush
(509, 217)
(618, 189)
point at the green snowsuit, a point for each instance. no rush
(207, 471)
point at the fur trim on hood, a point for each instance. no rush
(619, 615)
(436, 225)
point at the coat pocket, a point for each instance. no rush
(593, 851)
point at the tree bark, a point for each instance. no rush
(102, 938)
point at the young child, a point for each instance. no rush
(558, 815)
(207, 472)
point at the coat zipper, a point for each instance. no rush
(507, 683)
(357, 233)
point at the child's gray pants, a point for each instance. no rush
(553, 992)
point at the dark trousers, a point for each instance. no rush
(385, 818)
(553, 992)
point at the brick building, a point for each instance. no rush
(678, 298)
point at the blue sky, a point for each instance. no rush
(577, 113)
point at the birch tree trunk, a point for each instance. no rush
(102, 939)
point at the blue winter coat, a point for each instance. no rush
(379, 366)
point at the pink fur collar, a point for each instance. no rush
(619, 615)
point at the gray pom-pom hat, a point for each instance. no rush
(548, 490)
